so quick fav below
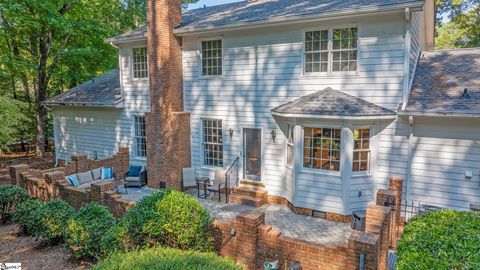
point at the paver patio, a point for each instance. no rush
(279, 216)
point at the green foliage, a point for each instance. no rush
(50, 220)
(444, 239)
(24, 215)
(10, 197)
(85, 230)
(458, 24)
(167, 218)
(167, 259)
(14, 116)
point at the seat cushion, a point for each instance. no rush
(72, 180)
(134, 170)
(97, 173)
(107, 173)
(132, 178)
(85, 177)
(88, 185)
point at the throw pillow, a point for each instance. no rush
(134, 170)
(97, 174)
(72, 179)
(85, 177)
(107, 173)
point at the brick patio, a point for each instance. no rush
(280, 217)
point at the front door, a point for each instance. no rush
(252, 153)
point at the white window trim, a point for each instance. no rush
(369, 171)
(202, 153)
(200, 53)
(321, 171)
(292, 126)
(135, 148)
(132, 64)
(329, 72)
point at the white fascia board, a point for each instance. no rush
(335, 117)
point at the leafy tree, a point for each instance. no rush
(458, 23)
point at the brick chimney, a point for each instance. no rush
(167, 125)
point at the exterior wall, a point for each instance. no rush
(442, 151)
(86, 130)
(417, 44)
(262, 70)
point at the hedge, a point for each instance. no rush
(444, 239)
(85, 230)
(10, 197)
(24, 215)
(50, 220)
(166, 259)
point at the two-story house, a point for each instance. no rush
(314, 98)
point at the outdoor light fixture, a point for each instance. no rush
(230, 132)
(274, 135)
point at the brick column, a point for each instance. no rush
(396, 184)
(15, 171)
(246, 226)
(80, 163)
(167, 126)
(97, 191)
(366, 244)
(378, 222)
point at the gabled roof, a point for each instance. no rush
(332, 104)
(440, 81)
(101, 91)
(262, 11)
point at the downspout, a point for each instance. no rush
(406, 59)
(409, 157)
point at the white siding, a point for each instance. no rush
(417, 39)
(85, 130)
(443, 150)
(262, 70)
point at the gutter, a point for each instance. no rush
(83, 104)
(279, 21)
(439, 114)
(356, 117)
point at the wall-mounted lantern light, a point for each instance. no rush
(274, 135)
(230, 132)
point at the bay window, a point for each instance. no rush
(290, 141)
(321, 148)
(361, 150)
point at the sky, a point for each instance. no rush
(209, 3)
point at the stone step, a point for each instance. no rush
(248, 200)
(250, 191)
(251, 183)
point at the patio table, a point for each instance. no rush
(204, 182)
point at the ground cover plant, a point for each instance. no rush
(444, 239)
(161, 258)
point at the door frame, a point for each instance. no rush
(262, 153)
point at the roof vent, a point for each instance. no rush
(465, 93)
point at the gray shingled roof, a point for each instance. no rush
(263, 10)
(440, 80)
(101, 91)
(330, 103)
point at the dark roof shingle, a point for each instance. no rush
(440, 81)
(330, 103)
(100, 91)
(262, 10)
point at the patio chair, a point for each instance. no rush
(218, 182)
(137, 178)
(189, 176)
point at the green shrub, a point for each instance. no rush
(168, 218)
(51, 220)
(444, 239)
(24, 215)
(167, 259)
(10, 197)
(85, 230)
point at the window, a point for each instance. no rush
(321, 148)
(290, 130)
(341, 55)
(140, 138)
(361, 150)
(140, 67)
(212, 143)
(212, 57)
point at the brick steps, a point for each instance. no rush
(249, 195)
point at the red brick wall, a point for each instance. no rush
(167, 126)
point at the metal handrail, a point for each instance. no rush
(228, 188)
